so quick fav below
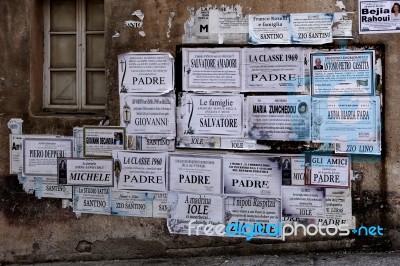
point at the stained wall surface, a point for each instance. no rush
(37, 230)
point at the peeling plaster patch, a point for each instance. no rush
(136, 24)
(229, 21)
(117, 34)
(139, 14)
(154, 50)
(171, 17)
(66, 203)
(220, 38)
(342, 25)
(133, 24)
(340, 5)
(378, 67)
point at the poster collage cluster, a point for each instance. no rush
(221, 134)
(203, 153)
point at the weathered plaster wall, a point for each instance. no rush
(37, 230)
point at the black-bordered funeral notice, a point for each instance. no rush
(211, 69)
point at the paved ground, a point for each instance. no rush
(342, 259)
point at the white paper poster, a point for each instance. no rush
(239, 143)
(92, 200)
(254, 211)
(131, 203)
(339, 74)
(195, 173)
(359, 148)
(312, 28)
(279, 117)
(140, 170)
(378, 17)
(211, 69)
(252, 175)
(204, 27)
(296, 28)
(15, 154)
(226, 20)
(303, 202)
(191, 141)
(200, 114)
(204, 209)
(338, 207)
(160, 205)
(40, 154)
(102, 141)
(346, 119)
(16, 150)
(151, 142)
(47, 187)
(85, 172)
(145, 72)
(273, 70)
(269, 29)
(328, 171)
(293, 171)
(148, 114)
(78, 142)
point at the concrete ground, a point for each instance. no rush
(342, 259)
